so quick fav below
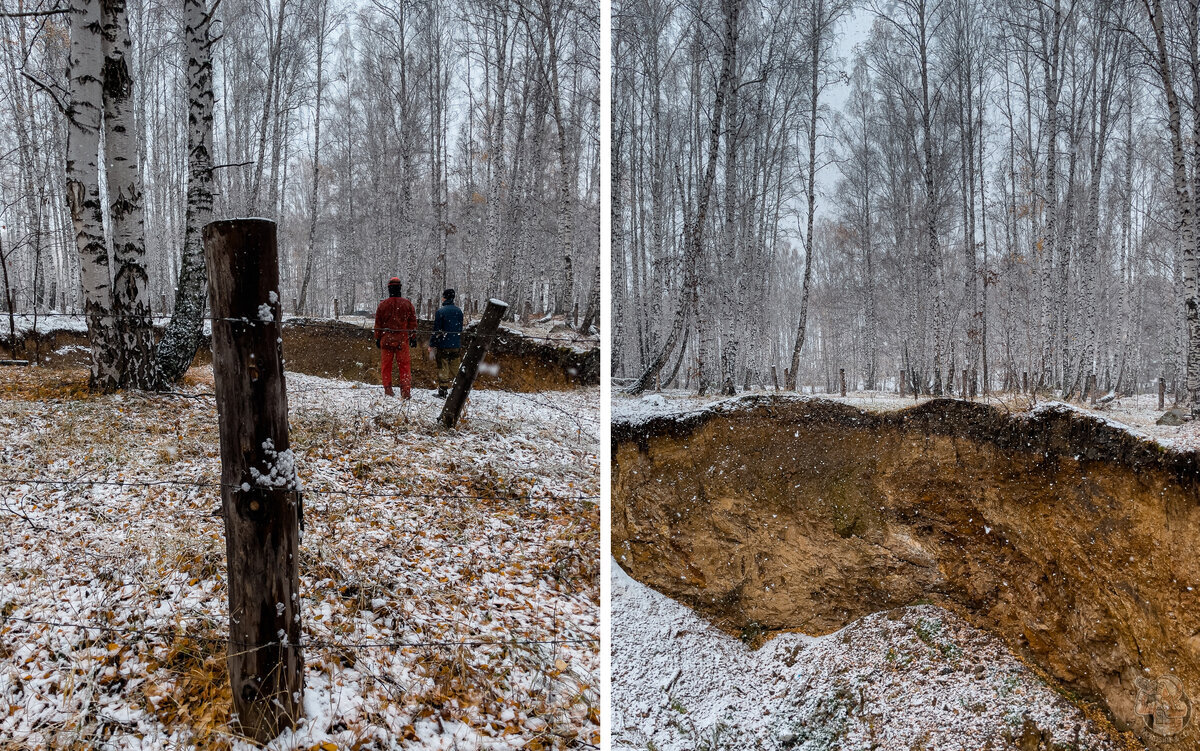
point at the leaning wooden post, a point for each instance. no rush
(775, 377)
(1162, 392)
(465, 378)
(336, 311)
(259, 486)
(842, 379)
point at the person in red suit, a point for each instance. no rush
(395, 332)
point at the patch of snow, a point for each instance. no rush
(916, 677)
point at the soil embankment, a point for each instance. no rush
(1073, 539)
(335, 349)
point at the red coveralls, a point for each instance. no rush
(395, 323)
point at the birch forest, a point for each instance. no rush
(451, 143)
(972, 196)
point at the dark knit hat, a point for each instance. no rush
(448, 294)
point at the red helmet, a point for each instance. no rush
(394, 280)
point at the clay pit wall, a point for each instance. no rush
(1073, 539)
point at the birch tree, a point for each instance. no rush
(183, 335)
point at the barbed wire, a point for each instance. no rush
(316, 643)
(306, 491)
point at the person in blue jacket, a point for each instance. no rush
(447, 341)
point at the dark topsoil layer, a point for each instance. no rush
(1054, 432)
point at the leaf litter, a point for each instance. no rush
(417, 540)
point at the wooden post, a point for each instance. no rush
(295, 306)
(901, 382)
(787, 376)
(463, 380)
(1162, 392)
(163, 299)
(775, 377)
(1094, 390)
(965, 384)
(336, 310)
(528, 314)
(575, 317)
(259, 487)
(746, 386)
(1024, 381)
(842, 378)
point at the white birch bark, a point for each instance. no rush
(177, 348)
(131, 297)
(83, 192)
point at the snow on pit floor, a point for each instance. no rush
(915, 677)
(414, 536)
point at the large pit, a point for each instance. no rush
(546, 360)
(1072, 538)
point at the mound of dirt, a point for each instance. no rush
(917, 677)
(1070, 537)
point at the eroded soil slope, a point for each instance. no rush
(1071, 538)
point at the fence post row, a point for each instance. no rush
(259, 486)
(465, 378)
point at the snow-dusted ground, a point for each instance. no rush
(917, 677)
(1135, 414)
(417, 541)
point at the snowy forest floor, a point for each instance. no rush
(1136, 413)
(416, 541)
(918, 677)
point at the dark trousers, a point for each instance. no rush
(448, 361)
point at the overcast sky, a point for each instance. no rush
(854, 31)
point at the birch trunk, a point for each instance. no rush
(131, 298)
(810, 189)
(83, 193)
(695, 225)
(183, 335)
(1183, 199)
(314, 201)
(1049, 237)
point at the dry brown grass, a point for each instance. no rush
(42, 384)
(189, 687)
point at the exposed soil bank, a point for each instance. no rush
(1071, 538)
(344, 350)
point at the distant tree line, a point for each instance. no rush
(1014, 195)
